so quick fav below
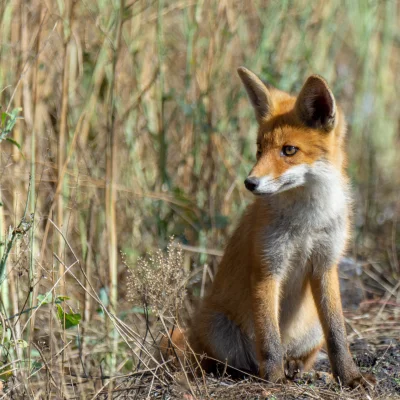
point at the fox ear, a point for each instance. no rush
(316, 105)
(258, 93)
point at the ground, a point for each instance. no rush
(374, 344)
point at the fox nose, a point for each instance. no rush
(251, 183)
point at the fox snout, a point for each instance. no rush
(252, 183)
(293, 177)
(263, 185)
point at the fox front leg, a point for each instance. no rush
(325, 288)
(266, 322)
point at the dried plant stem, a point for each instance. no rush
(60, 181)
(32, 194)
(62, 145)
(63, 130)
(163, 145)
(4, 286)
(16, 37)
(110, 185)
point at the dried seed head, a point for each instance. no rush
(158, 280)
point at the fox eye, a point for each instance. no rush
(289, 150)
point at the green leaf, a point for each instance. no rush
(104, 296)
(8, 121)
(34, 353)
(45, 298)
(221, 221)
(6, 372)
(36, 366)
(68, 320)
(60, 299)
(72, 320)
(19, 343)
(14, 142)
(140, 310)
(16, 111)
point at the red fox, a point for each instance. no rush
(275, 299)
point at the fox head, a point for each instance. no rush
(298, 137)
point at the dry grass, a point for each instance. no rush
(135, 129)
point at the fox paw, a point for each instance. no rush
(366, 381)
(294, 368)
(273, 375)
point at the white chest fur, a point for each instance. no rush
(308, 224)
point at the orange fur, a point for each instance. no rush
(173, 345)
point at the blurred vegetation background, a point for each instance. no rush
(135, 128)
